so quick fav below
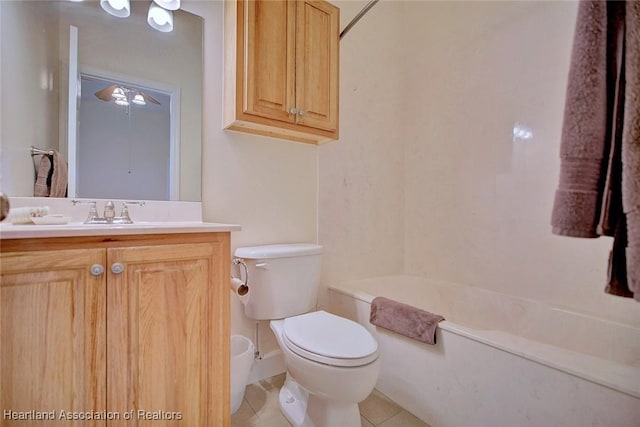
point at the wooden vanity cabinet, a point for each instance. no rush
(281, 68)
(52, 335)
(150, 334)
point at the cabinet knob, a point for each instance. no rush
(302, 112)
(293, 110)
(96, 269)
(117, 268)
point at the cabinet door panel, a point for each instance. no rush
(270, 64)
(158, 332)
(317, 64)
(52, 329)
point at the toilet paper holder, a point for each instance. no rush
(238, 285)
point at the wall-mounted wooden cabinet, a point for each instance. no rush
(94, 326)
(282, 68)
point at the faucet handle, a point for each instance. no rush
(125, 209)
(93, 210)
(124, 215)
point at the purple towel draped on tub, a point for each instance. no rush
(404, 319)
(599, 187)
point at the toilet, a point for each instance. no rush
(332, 363)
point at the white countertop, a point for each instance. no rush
(156, 217)
(77, 229)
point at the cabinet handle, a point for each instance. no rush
(293, 110)
(117, 268)
(302, 112)
(96, 269)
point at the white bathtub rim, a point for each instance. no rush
(616, 376)
(350, 285)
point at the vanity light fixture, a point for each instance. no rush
(119, 8)
(168, 4)
(159, 18)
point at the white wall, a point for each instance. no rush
(478, 204)
(267, 186)
(29, 92)
(361, 183)
(443, 83)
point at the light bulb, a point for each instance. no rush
(118, 93)
(119, 8)
(160, 19)
(168, 4)
(139, 99)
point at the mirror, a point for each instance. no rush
(35, 39)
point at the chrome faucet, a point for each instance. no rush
(109, 211)
(109, 215)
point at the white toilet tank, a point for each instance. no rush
(283, 279)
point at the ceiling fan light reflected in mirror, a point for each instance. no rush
(138, 99)
(118, 93)
(160, 19)
(168, 4)
(119, 8)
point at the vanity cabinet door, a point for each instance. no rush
(52, 337)
(168, 355)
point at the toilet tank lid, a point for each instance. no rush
(278, 251)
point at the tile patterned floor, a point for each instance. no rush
(260, 409)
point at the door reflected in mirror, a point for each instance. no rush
(128, 128)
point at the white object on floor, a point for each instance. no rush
(241, 362)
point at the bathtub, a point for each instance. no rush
(499, 360)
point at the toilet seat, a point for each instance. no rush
(329, 339)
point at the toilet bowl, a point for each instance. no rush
(332, 364)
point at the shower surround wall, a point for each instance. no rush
(361, 177)
(471, 202)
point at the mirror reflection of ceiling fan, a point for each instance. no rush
(123, 95)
